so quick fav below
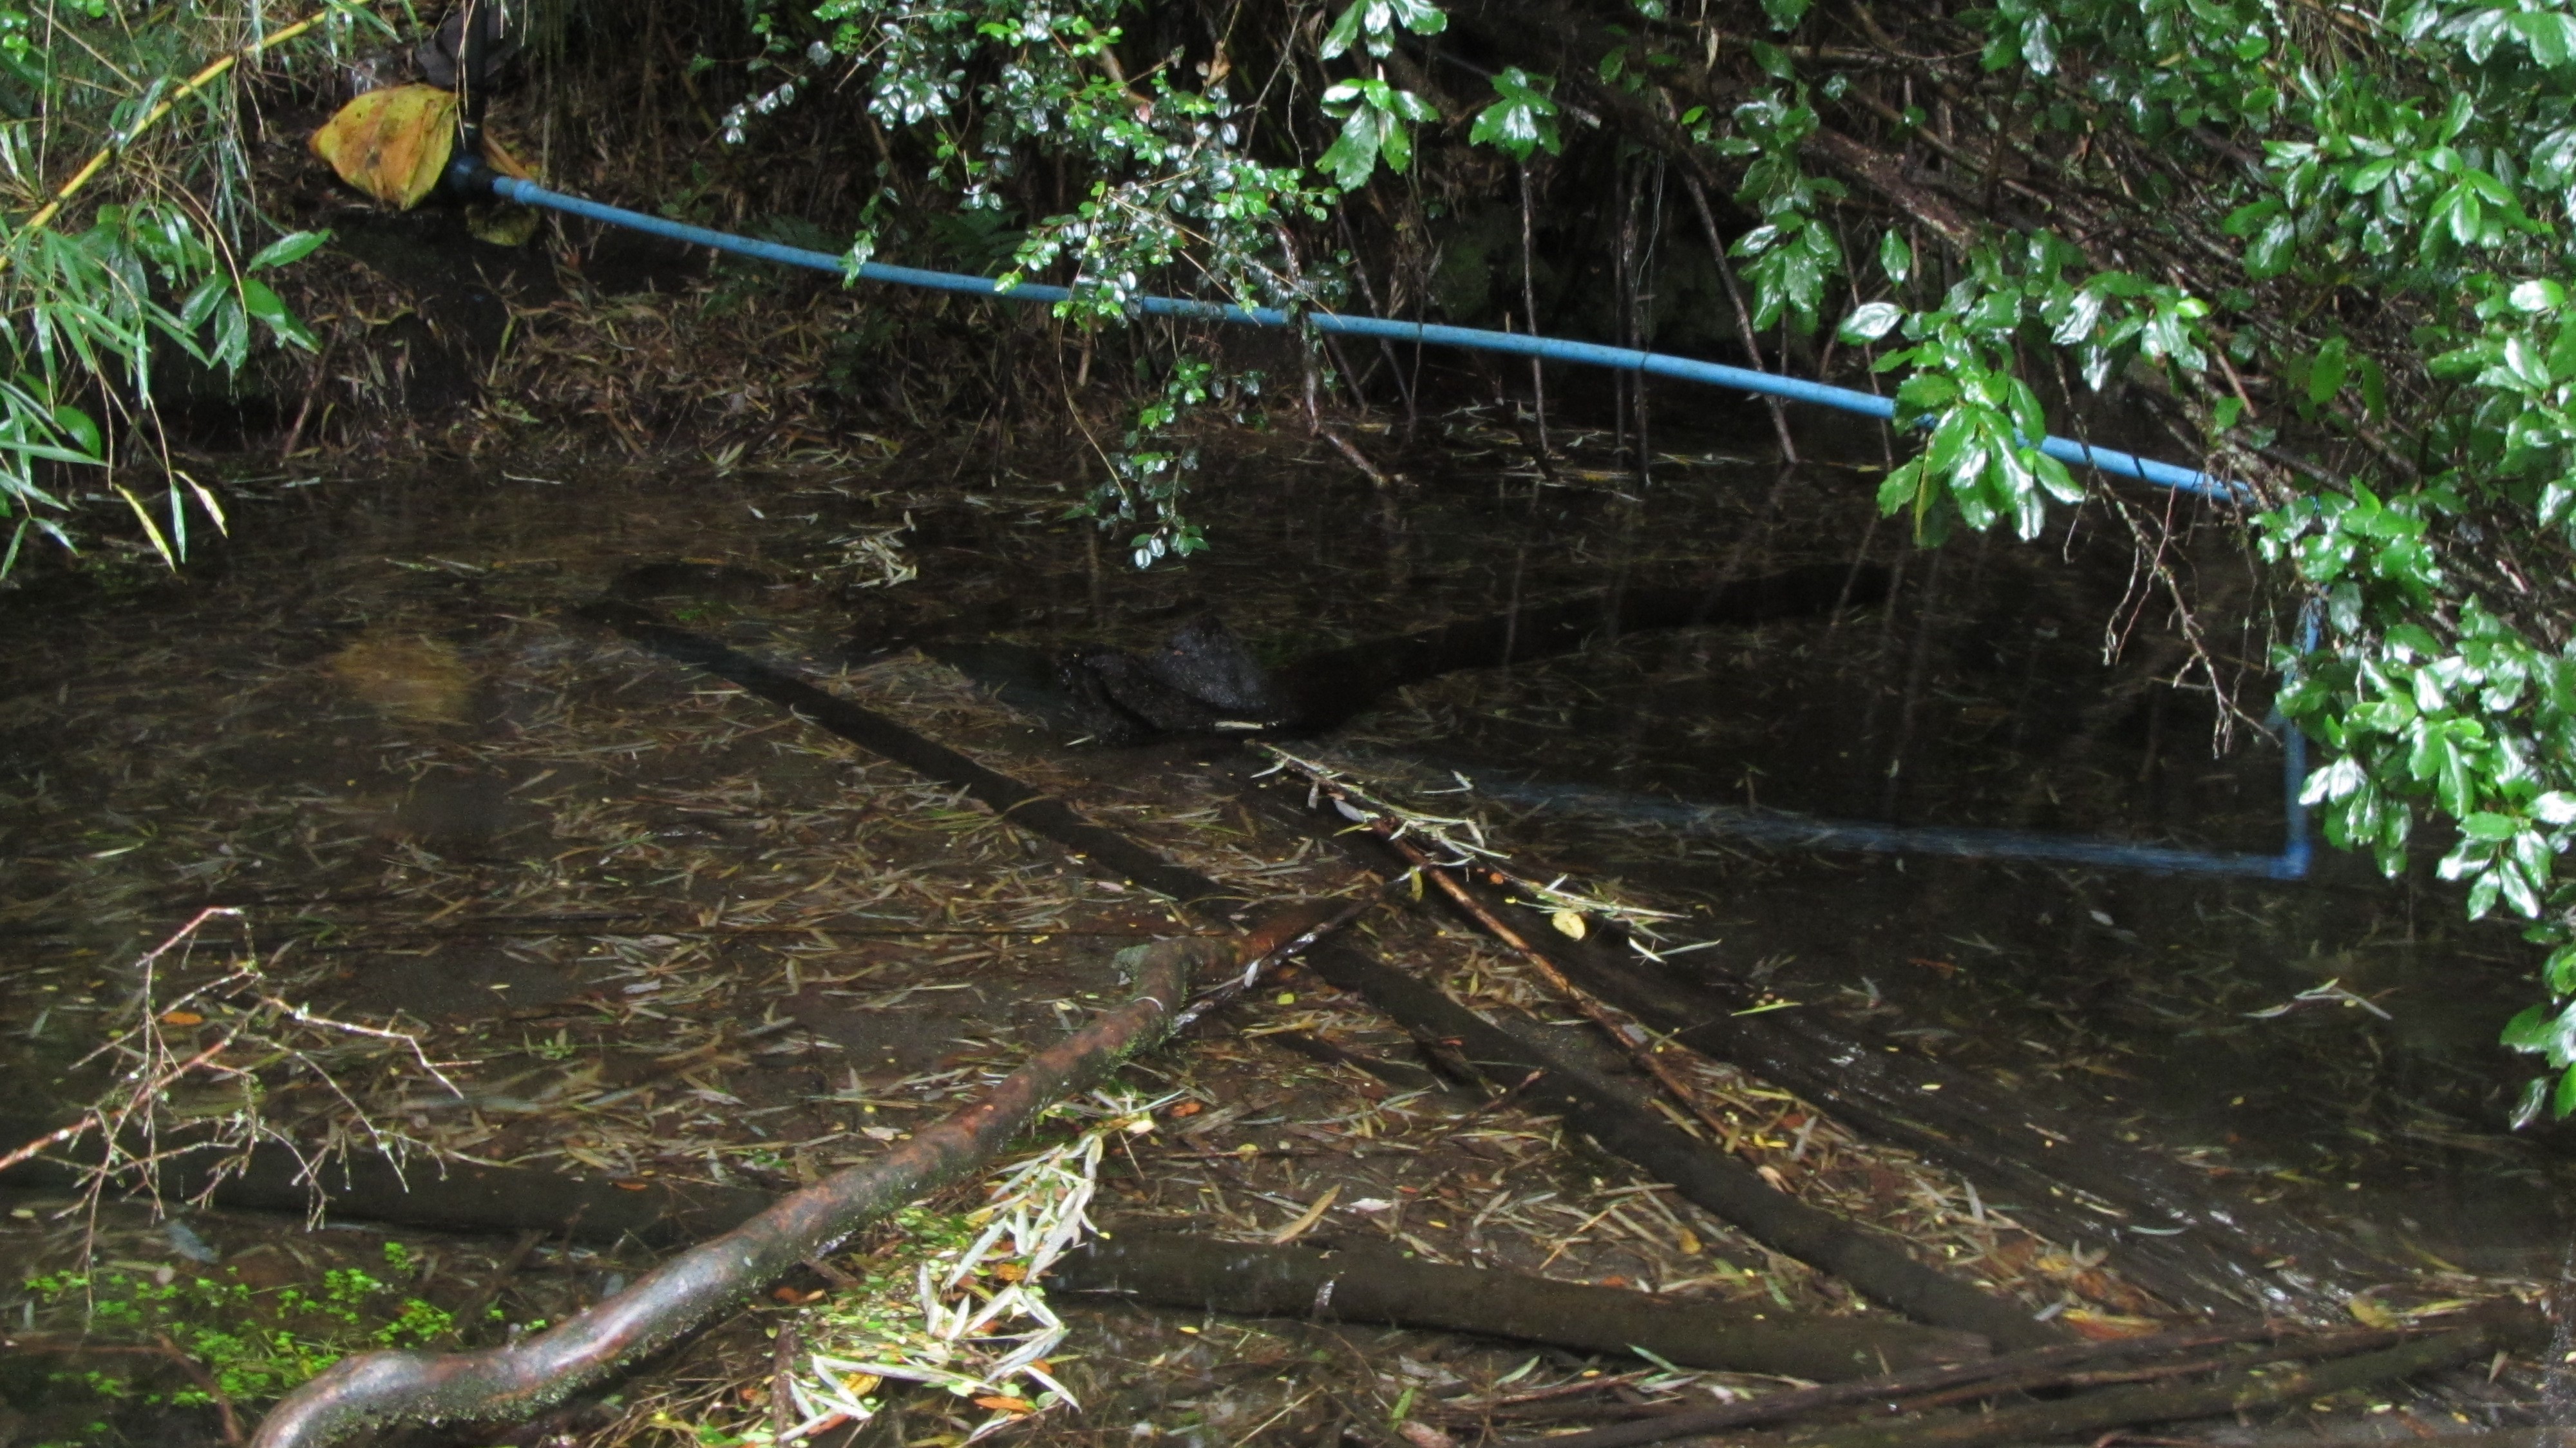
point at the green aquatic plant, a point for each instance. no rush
(249, 1345)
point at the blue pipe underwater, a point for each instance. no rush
(1786, 830)
(471, 178)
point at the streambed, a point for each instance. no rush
(669, 933)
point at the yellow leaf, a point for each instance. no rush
(502, 225)
(392, 144)
(2369, 1312)
(1567, 923)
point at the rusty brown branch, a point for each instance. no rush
(387, 1387)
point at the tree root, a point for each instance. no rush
(385, 1387)
(1363, 1282)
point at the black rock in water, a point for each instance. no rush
(1201, 680)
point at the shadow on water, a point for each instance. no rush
(1977, 696)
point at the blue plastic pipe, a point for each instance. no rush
(1547, 349)
(471, 177)
(1784, 830)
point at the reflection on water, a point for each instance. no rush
(1977, 698)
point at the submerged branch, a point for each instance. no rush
(2237, 1388)
(1358, 1282)
(387, 1387)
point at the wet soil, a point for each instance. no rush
(664, 930)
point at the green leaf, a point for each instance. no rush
(2537, 295)
(2054, 477)
(2486, 825)
(2535, 1095)
(1345, 31)
(263, 303)
(2463, 213)
(293, 247)
(1901, 487)
(2560, 972)
(1870, 322)
(1521, 120)
(1925, 393)
(2549, 36)
(1895, 257)
(2326, 373)
(2039, 45)
(2482, 895)
(78, 426)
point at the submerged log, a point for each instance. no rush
(1893, 1392)
(2179, 1234)
(1625, 1127)
(1873, 1264)
(448, 1196)
(1361, 1282)
(2505, 1327)
(386, 1387)
(1325, 689)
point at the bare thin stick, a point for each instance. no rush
(213, 70)
(1743, 318)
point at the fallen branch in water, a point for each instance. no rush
(388, 1387)
(1872, 1263)
(1359, 1282)
(2236, 1387)
(2019, 1371)
(1622, 1030)
(2178, 1234)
